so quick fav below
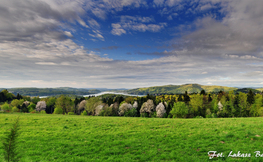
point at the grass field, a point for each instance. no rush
(86, 138)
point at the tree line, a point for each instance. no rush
(200, 105)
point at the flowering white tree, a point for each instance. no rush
(41, 105)
(124, 107)
(27, 103)
(147, 107)
(160, 110)
(135, 105)
(98, 109)
(82, 105)
(220, 106)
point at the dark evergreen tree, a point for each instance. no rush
(180, 98)
(18, 96)
(209, 98)
(186, 97)
(202, 92)
(76, 102)
(250, 97)
(24, 108)
(110, 101)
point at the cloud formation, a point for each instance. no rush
(131, 23)
(37, 46)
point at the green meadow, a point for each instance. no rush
(45, 137)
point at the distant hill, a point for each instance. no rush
(246, 90)
(177, 89)
(51, 91)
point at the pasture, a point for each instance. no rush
(46, 137)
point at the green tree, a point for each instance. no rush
(243, 105)
(180, 98)
(250, 97)
(24, 108)
(202, 92)
(31, 107)
(91, 104)
(186, 97)
(179, 110)
(196, 104)
(65, 103)
(256, 109)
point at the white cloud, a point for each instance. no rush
(68, 34)
(141, 24)
(45, 63)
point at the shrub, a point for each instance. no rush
(131, 113)
(5, 107)
(108, 110)
(15, 109)
(31, 107)
(42, 112)
(58, 110)
(154, 114)
(213, 115)
(71, 113)
(34, 111)
(102, 113)
(144, 115)
(84, 113)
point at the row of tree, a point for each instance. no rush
(180, 106)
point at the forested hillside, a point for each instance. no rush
(179, 89)
(51, 91)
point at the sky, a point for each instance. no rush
(130, 43)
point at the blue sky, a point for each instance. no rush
(136, 44)
(130, 43)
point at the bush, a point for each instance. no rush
(15, 109)
(31, 107)
(144, 115)
(102, 113)
(108, 111)
(213, 115)
(42, 112)
(34, 111)
(84, 113)
(154, 115)
(71, 113)
(58, 110)
(131, 113)
(199, 117)
(5, 107)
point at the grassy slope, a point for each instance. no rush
(190, 88)
(84, 138)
